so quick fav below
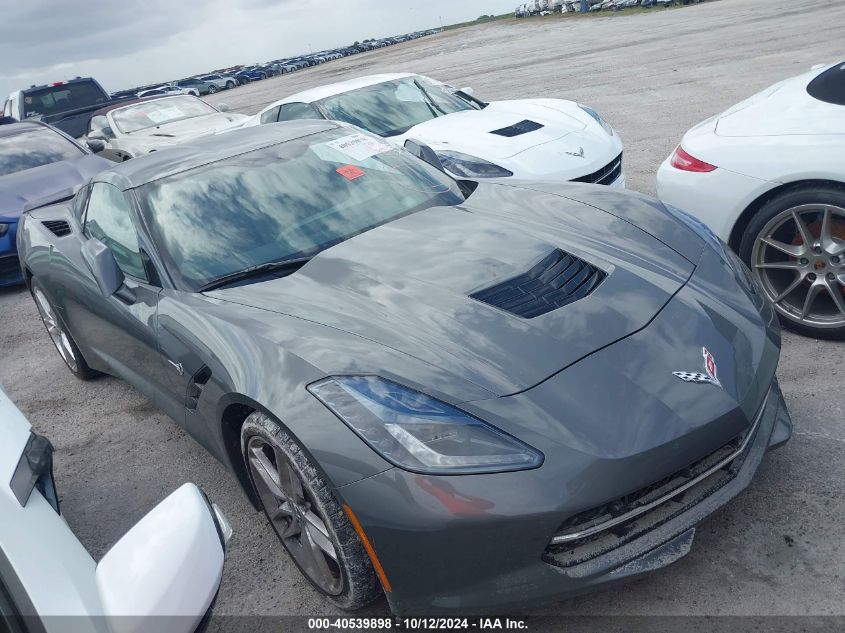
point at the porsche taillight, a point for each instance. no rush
(685, 161)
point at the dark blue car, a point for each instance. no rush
(37, 163)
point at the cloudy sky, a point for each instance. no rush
(125, 43)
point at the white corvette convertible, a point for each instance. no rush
(768, 176)
(527, 139)
(163, 575)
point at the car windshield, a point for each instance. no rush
(393, 107)
(34, 148)
(286, 201)
(829, 86)
(141, 116)
(62, 98)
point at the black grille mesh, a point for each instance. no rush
(523, 127)
(59, 228)
(605, 175)
(558, 280)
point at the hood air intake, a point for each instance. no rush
(558, 280)
(523, 127)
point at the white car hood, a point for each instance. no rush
(783, 109)
(189, 128)
(471, 132)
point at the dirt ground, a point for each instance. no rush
(776, 550)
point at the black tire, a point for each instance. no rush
(815, 265)
(230, 85)
(60, 337)
(358, 584)
(212, 89)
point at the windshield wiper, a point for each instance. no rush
(286, 265)
(429, 99)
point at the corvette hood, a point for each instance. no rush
(783, 109)
(472, 131)
(407, 285)
(190, 128)
(23, 187)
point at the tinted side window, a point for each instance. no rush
(293, 111)
(271, 116)
(109, 220)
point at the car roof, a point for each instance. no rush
(205, 150)
(11, 129)
(329, 90)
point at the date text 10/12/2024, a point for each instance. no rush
(417, 624)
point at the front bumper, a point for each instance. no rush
(447, 547)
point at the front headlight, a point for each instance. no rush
(598, 118)
(419, 433)
(4, 228)
(466, 166)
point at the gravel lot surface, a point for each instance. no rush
(776, 550)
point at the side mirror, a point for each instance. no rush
(468, 91)
(425, 153)
(223, 107)
(96, 140)
(102, 264)
(96, 145)
(164, 574)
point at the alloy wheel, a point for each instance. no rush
(799, 259)
(295, 516)
(57, 334)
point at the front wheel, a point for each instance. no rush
(307, 518)
(795, 246)
(230, 85)
(63, 341)
(212, 89)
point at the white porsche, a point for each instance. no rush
(526, 139)
(768, 177)
(163, 575)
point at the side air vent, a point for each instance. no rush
(558, 280)
(523, 127)
(195, 387)
(59, 228)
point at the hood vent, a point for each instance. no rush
(59, 228)
(518, 129)
(558, 280)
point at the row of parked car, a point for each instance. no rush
(546, 7)
(379, 302)
(201, 85)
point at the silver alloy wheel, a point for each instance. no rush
(57, 334)
(294, 515)
(799, 259)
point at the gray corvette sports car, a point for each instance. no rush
(469, 397)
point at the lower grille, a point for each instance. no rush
(595, 532)
(604, 176)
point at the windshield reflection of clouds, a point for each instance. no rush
(34, 148)
(159, 112)
(281, 202)
(393, 107)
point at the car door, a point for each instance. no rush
(120, 329)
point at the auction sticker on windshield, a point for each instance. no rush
(359, 146)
